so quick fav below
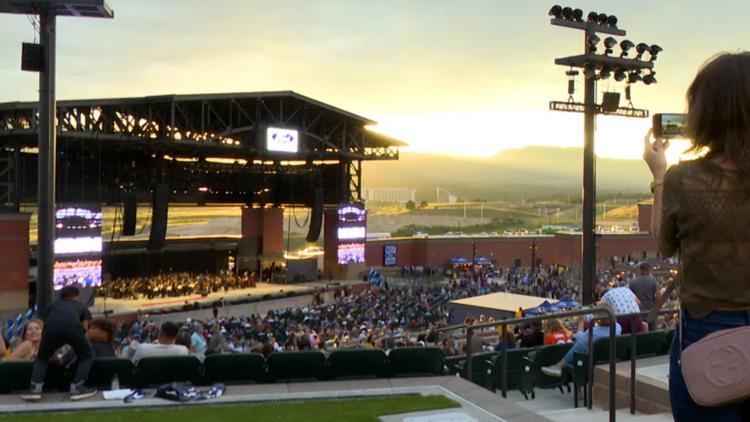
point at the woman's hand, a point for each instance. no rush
(654, 155)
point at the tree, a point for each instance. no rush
(423, 204)
(410, 205)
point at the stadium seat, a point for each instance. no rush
(104, 369)
(601, 355)
(239, 368)
(650, 343)
(415, 361)
(296, 365)
(532, 376)
(515, 366)
(481, 368)
(155, 371)
(454, 364)
(14, 376)
(356, 363)
(669, 335)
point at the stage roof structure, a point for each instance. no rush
(210, 148)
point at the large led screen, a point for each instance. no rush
(351, 253)
(78, 246)
(282, 140)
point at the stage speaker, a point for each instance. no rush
(32, 57)
(129, 214)
(316, 216)
(159, 216)
(610, 102)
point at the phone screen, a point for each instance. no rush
(669, 125)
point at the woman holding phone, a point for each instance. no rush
(702, 213)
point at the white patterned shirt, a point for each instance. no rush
(623, 300)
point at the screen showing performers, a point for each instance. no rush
(78, 246)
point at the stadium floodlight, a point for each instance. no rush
(592, 17)
(602, 19)
(641, 48)
(609, 43)
(589, 72)
(612, 21)
(556, 11)
(605, 72)
(650, 78)
(578, 15)
(567, 13)
(634, 77)
(593, 41)
(626, 46)
(620, 75)
(653, 51)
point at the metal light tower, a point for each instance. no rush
(597, 67)
(41, 58)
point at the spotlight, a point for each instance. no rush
(589, 72)
(627, 93)
(620, 75)
(605, 73)
(556, 11)
(612, 21)
(634, 77)
(578, 15)
(650, 78)
(640, 49)
(601, 19)
(567, 13)
(593, 40)
(609, 42)
(592, 17)
(626, 46)
(654, 50)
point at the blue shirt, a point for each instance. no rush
(199, 343)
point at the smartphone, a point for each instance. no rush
(669, 125)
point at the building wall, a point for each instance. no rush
(14, 261)
(561, 248)
(644, 217)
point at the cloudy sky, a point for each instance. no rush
(471, 77)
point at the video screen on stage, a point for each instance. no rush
(282, 140)
(78, 272)
(78, 230)
(78, 246)
(351, 253)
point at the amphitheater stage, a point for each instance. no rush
(477, 404)
(262, 291)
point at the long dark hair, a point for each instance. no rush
(719, 109)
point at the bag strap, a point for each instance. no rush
(661, 301)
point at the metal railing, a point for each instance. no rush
(604, 312)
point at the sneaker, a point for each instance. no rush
(552, 371)
(80, 391)
(34, 393)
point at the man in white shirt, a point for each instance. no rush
(164, 345)
(624, 302)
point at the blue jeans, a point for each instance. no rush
(581, 347)
(684, 409)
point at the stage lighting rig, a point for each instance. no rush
(626, 46)
(609, 43)
(621, 68)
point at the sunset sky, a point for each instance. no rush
(471, 77)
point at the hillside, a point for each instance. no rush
(531, 172)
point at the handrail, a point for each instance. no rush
(608, 314)
(633, 351)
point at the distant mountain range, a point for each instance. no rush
(531, 172)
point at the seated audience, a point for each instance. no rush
(164, 346)
(600, 330)
(31, 337)
(555, 332)
(101, 334)
(624, 302)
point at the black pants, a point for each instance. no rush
(56, 336)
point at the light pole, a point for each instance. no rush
(597, 67)
(41, 58)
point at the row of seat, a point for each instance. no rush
(238, 368)
(524, 365)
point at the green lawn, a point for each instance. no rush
(309, 411)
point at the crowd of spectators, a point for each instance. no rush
(175, 284)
